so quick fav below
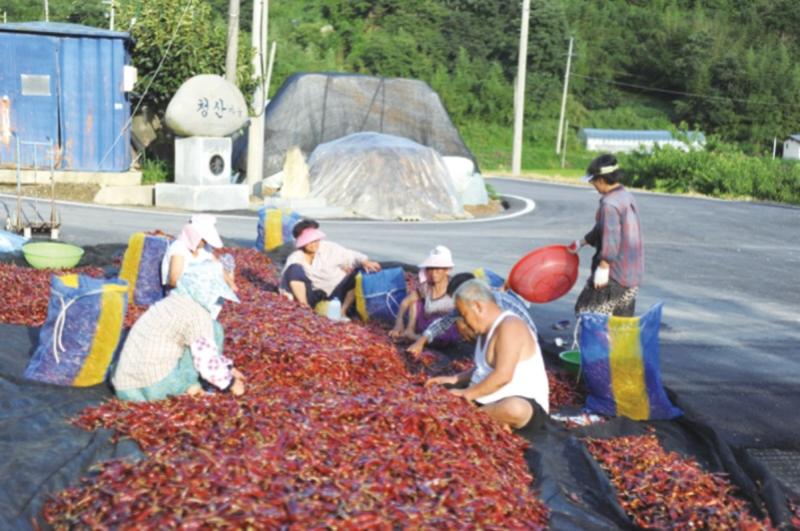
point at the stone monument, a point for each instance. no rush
(204, 112)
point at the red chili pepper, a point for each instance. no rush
(334, 431)
(668, 491)
(26, 292)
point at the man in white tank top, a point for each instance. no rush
(509, 381)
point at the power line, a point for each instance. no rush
(681, 93)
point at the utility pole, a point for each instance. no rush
(519, 91)
(564, 98)
(564, 151)
(233, 41)
(110, 13)
(269, 68)
(46, 11)
(255, 133)
(774, 147)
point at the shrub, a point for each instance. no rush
(721, 171)
(155, 171)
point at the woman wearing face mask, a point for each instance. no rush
(175, 344)
(190, 248)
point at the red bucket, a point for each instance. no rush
(544, 274)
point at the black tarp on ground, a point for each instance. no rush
(43, 454)
(40, 452)
(581, 496)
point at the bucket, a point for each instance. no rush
(571, 359)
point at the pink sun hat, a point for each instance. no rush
(308, 236)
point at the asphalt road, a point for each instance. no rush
(726, 270)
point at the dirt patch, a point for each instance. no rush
(493, 208)
(81, 192)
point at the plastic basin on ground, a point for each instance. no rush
(55, 255)
(544, 274)
(571, 360)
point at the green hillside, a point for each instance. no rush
(724, 67)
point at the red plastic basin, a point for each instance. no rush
(544, 274)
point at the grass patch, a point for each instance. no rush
(492, 146)
(156, 171)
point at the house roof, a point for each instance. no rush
(62, 28)
(653, 135)
(627, 134)
(795, 137)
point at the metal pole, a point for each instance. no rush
(111, 18)
(52, 184)
(19, 188)
(564, 151)
(46, 11)
(5, 17)
(233, 41)
(269, 66)
(519, 100)
(774, 147)
(255, 133)
(564, 98)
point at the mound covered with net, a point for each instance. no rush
(315, 108)
(383, 177)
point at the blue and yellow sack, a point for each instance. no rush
(141, 267)
(620, 366)
(82, 330)
(378, 295)
(274, 228)
(494, 280)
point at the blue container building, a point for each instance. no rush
(64, 83)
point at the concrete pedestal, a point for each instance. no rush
(203, 197)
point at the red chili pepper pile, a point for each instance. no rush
(333, 431)
(134, 312)
(564, 391)
(664, 490)
(26, 292)
(794, 508)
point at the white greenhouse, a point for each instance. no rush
(625, 140)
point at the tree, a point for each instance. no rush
(189, 40)
(86, 12)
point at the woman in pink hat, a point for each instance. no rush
(430, 301)
(320, 269)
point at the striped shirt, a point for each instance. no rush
(156, 341)
(505, 300)
(617, 236)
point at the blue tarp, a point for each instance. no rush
(10, 242)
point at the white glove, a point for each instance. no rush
(575, 246)
(600, 277)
